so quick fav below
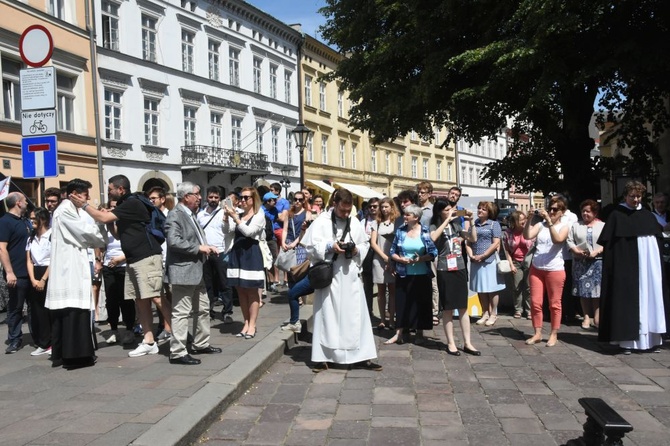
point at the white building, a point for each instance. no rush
(205, 91)
(472, 159)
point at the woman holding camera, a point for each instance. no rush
(547, 271)
(484, 277)
(412, 251)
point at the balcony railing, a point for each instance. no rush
(225, 159)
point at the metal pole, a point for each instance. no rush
(90, 24)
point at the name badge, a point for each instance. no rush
(452, 265)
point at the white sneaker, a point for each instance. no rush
(295, 328)
(128, 338)
(227, 319)
(40, 351)
(144, 349)
(111, 339)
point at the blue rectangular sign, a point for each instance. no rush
(39, 155)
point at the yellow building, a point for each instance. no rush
(77, 155)
(337, 156)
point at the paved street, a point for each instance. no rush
(513, 394)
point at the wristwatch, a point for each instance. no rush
(83, 208)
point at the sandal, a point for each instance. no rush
(436, 321)
(483, 319)
(490, 321)
(517, 315)
(320, 367)
(381, 326)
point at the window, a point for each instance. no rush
(273, 81)
(213, 57)
(310, 148)
(216, 129)
(148, 38)
(436, 133)
(387, 163)
(412, 136)
(112, 115)
(353, 155)
(236, 133)
(414, 167)
(324, 150)
(257, 74)
(472, 178)
(399, 164)
(259, 137)
(57, 8)
(449, 176)
(322, 96)
(187, 51)
(65, 104)
(287, 86)
(308, 90)
(189, 126)
(11, 93)
(438, 170)
(340, 104)
(373, 160)
(150, 122)
(343, 146)
(463, 169)
(275, 144)
(110, 25)
(289, 147)
(234, 67)
(424, 163)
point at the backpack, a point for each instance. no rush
(156, 225)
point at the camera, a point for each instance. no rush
(537, 212)
(348, 248)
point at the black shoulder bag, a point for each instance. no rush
(321, 273)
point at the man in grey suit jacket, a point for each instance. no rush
(187, 250)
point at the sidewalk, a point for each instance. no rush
(139, 401)
(513, 394)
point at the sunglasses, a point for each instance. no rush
(245, 197)
(553, 209)
(299, 200)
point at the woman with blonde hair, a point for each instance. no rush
(245, 261)
(381, 240)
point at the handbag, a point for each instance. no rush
(298, 272)
(285, 260)
(503, 266)
(321, 274)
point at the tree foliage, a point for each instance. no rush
(472, 64)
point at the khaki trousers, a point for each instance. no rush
(189, 300)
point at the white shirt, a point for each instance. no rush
(40, 249)
(214, 229)
(113, 250)
(549, 255)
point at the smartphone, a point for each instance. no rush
(227, 203)
(461, 213)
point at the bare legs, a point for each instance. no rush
(249, 304)
(489, 303)
(590, 307)
(381, 302)
(448, 323)
(146, 318)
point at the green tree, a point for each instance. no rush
(472, 64)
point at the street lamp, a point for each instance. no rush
(301, 133)
(285, 182)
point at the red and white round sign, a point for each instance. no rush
(36, 45)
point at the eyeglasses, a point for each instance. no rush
(245, 197)
(553, 209)
(51, 201)
(298, 200)
(197, 194)
(154, 198)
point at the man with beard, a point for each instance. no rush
(144, 270)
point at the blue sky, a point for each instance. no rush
(304, 12)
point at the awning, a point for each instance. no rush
(362, 191)
(321, 185)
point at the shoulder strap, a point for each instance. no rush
(211, 218)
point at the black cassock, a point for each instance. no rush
(619, 297)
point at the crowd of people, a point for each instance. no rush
(425, 255)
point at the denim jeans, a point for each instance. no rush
(301, 288)
(17, 298)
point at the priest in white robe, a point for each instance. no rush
(69, 293)
(342, 327)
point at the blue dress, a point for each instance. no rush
(587, 274)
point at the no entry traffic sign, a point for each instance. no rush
(36, 45)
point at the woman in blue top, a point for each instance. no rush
(484, 277)
(412, 251)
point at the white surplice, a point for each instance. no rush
(70, 272)
(342, 328)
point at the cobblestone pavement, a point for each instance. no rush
(513, 394)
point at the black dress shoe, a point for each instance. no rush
(207, 350)
(453, 353)
(185, 360)
(13, 347)
(472, 352)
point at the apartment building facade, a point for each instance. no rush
(204, 91)
(76, 130)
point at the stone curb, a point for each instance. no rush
(184, 425)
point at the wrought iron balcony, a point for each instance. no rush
(209, 158)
